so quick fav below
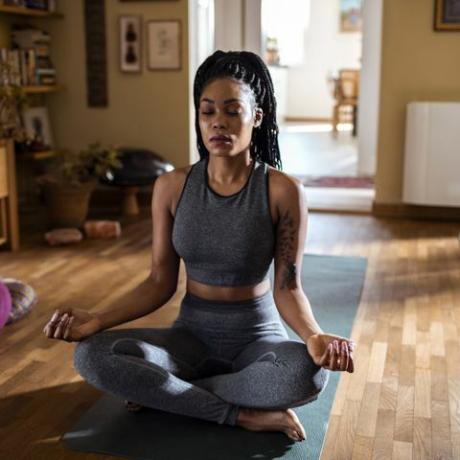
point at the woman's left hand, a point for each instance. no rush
(332, 352)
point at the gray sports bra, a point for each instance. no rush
(225, 240)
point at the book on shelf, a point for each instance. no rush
(29, 58)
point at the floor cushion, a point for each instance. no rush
(5, 304)
(23, 298)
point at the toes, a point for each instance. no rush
(295, 435)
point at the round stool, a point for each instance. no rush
(140, 167)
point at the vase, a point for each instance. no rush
(67, 204)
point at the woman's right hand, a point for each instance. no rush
(72, 325)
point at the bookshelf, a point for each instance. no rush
(18, 14)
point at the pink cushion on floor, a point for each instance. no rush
(5, 304)
(23, 298)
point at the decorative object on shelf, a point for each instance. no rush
(164, 45)
(130, 44)
(350, 16)
(69, 181)
(38, 130)
(272, 55)
(447, 15)
(96, 53)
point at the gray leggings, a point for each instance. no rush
(217, 356)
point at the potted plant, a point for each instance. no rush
(12, 100)
(69, 180)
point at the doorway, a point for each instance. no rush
(307, 45)
(316, 55)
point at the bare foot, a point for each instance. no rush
(132, 407)
(272, 420)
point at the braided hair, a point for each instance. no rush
(249, 68)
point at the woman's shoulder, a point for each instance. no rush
(174, 183)
(176, 177)
(281, 181)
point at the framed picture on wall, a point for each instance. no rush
(447, 15)
(130, 44)
(350, 16)
(164, 45)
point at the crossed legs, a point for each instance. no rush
(170, 369)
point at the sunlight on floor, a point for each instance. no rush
(312, 149)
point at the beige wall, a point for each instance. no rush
(147, 110)
(418, 64)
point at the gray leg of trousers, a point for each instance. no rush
(152, 367)
(270, 375)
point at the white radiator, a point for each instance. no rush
(432, 154)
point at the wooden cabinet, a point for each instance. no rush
(9, 227)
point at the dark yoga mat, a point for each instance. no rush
(333, 285)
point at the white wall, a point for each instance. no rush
(326, 50)
(237, 25)
(369, 95)
(228, 25)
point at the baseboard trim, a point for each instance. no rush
(412, 211)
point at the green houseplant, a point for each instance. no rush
(12, 100)
(70, 179)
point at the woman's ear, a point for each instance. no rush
(258, 117)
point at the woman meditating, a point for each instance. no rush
(227, 357)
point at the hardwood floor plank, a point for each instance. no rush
(402, 450)
(422, 438)
(383, 450)
(422, 395)
(404, 414)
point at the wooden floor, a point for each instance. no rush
(402, 401)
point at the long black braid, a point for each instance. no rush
(249, 68)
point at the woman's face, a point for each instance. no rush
(227, 116)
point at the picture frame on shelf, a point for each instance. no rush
(38, 129)
(350, 15)
(130, 28)
(446, 15)
(164, 44)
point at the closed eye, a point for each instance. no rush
(229, 113)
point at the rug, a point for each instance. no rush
(333, 285)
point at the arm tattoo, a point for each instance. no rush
(285, 245)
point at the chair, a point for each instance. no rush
(139, 167)
(9, 224)
(346, 94)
